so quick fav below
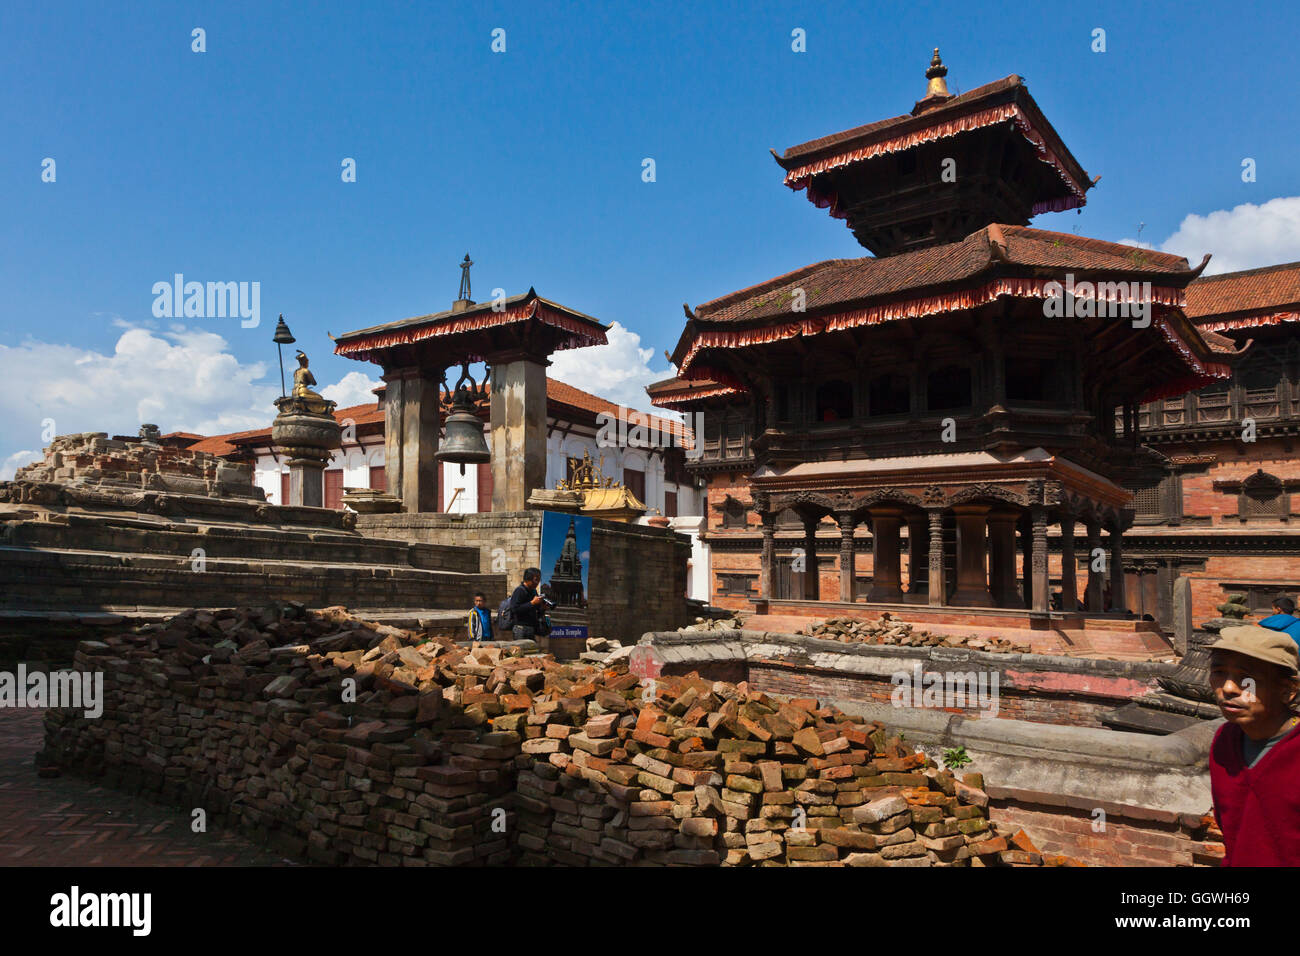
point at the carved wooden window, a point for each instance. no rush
(1261, 388)
(1262, 496)
(1026, 380)
(834, 401)
(736, 439)
(948, 388)
(889, 394)
(1214, 403)
(733, 514)
(712, 436)
(1146, 502)
(787, 520)
(737, 585)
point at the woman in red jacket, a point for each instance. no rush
(1255, 757)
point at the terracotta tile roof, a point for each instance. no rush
(557, 392)
(864, 134)
(677, 393)
(1270, 289)
(230, 443)
(839, 282)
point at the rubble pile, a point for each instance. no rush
(887, 630)
(733, 623)
(349, 742)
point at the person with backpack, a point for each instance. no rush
(520, 612)
(480, 619)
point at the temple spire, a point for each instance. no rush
(936, 90)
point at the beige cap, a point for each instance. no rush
(1261, 643)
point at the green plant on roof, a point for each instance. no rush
(954, 758)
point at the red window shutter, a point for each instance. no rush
(284, 487)
(378, 478)
(334, 488)
(485, 487)
(635, 482)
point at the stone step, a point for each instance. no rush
(54, 579)
(157, 536)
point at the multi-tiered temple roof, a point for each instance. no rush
(938, 173)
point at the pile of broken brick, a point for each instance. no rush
(349, 742)
(887, 630)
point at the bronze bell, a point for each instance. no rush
(464, 442)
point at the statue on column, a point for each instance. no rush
(303, 379)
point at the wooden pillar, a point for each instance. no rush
(1069, 586)
(937, 582)
(1117, 601)
(767, 558)
(1002, 558)
(972, 551)
(918, 558)
(811, 578)
(411, 425)
(886, 556)
(1093, 594)
(1027, 560)
(848, 556)
(1041, 582)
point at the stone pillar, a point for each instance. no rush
(1182, 614)
(411, 425)
(767, 559)
(1002, 558)
(972, 581)
(1093, 594)
(306, 482)
(1117, 599)
(918, 558)
(886, 556)
(1041, 580)
(848, 556)
(1069, 586)
(518, 425)
(937, 581)
(812, 590)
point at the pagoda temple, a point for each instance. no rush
(955, 394)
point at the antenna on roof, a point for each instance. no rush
(1141, 226)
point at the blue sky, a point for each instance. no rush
(225, 166)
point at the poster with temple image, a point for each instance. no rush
(566, 557)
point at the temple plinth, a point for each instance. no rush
(514, 337)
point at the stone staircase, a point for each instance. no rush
(64, 570)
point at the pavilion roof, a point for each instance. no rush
(1003, 100)
(996, 261)
(577, 330)
(1249, 299)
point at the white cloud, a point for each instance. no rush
(181, 380)
(619, 371)
(1244, 237)
(352, 389)
(16, 461)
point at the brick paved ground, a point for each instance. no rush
(67, 821)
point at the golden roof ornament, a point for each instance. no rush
(936, 90)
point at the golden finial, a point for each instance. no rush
(935, 74)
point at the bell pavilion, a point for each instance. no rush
(955, 395)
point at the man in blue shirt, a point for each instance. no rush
(1283, 618)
